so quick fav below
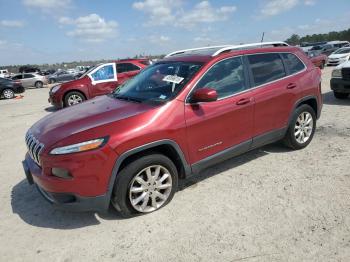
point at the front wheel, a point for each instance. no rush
(145, 185)
(340, 95)
(301, 128)
(73, 98)
(8, 94)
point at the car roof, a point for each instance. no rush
(206, 58)
(131, 60)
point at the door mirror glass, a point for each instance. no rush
(205, 94)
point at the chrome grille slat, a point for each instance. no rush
(34, 147)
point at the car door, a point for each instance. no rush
(126, 71)
(103, 79)
(28, 80)
(274, 92)
(215, 126)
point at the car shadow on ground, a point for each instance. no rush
(232, 163)
(51, 109)
(33, 209)
(329, 99)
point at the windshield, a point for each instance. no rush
(342, 51)
(88, 71)
(160, 82)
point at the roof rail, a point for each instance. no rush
(196, 49)
(223, 48)
(247, 46)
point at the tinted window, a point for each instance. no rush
(28, 76)
(266, 68)
(226, 77)
(104, 73)
(126, 67)
(293, 63)
(17, 77)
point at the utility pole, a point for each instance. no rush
(262, 38)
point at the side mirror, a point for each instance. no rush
(204, 95)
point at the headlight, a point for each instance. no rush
(55, 88)
(336, 73)
(80, 147)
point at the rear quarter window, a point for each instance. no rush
(293, 63)
(266, 68)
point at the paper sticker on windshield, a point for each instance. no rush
(173, 79)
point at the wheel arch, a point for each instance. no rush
(308, 100)
(72, 90)
(166, 147)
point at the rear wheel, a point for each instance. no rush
(39, 84)
(145, 185)
(302, 128)
(73, 98)
(8, 94)
(340, 95)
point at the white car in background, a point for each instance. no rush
(4, 73)
(340, 56)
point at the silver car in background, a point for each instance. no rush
(31, 80)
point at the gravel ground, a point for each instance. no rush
(271, 204)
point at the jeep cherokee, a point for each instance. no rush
(193, 109)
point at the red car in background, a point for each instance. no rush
(99, 80)
(318, 59)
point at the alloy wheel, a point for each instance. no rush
(303, 127)
(74, 99)
(150, 188)
(8, 94)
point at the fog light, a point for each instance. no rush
(60, 172)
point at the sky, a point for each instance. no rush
(50, 31)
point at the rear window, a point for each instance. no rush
(293, 63)
(266, 68)
(145, 62)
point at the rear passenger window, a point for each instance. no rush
(293, 63)
(226, 77)
(266, 68)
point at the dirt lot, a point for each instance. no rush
(271, 204)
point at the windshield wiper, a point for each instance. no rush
(128, 98)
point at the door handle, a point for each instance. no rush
(243, 101)
(291, 86)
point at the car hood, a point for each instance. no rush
(338, 55)
(90, 114)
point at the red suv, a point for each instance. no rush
(99, 80)
(180, 115)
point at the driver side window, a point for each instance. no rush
(104, 73)
(226, 77)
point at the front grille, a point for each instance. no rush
(34, 147)
(345, 73)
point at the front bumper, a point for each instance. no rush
(55, 100)
(340, 85)
(87, 190)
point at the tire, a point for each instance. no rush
(8, 94)
(298, 140)
(73, 98)
(340, 95)
(52, 81)
(125, 201)
(39, 84)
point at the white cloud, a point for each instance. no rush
(203, 12)
(166, 12)
(11, 23)
(160, 40)
(275, 7)
(160, 11)
(48, 5)
(90, 28)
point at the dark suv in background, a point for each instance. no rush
(193, 109)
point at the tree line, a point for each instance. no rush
(295, 39)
